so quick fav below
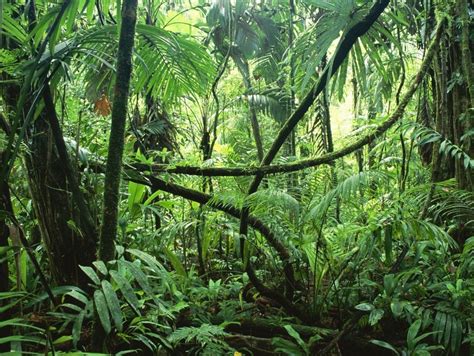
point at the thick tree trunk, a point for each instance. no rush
(4, 274)
(465, 176)
(67, 244)
(67, 240)
(117, 132)
(69, 235)
(453, 102)
(453, 108)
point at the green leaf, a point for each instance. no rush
(101, 267)
(136, 193)
(91, 274)
(127, 291)
(71, 16)
(113, 304)
(456, 335)
(152, 197)
(385, 345)
(22, 339)
(389, 284)
(375, 316)
(151, 261)
(142, 280)
(439, 325)
(412, 332)
(90, 9)
(177, 265)
(77, 328)
(448, 330)
(397, 307)
(19, 322)
(294, 334)
(78, 296)
(102, 310)
(365, 307)
(171, 65)
(62, 339)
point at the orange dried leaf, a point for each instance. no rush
(102, 106)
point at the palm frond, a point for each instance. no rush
(227, 199)
(171, 65)
(424, 135)
(412, 228)
(448, 202)
(273, 103)
(312, 45)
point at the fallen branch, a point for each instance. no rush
(246, 219)
(310, 162)
(325, 159)
(343, 49)
(202, 198)
(263, 328)
(348, 326)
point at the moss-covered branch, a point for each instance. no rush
(270, 237)
(310, 162)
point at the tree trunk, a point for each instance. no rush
(117, 132)
(69, 239)
(452, 102)
(68, 245)
(243, 67)
(452, 91)
(464, 176)
(4, 274)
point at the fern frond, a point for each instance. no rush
(344, 190)
(270, 200)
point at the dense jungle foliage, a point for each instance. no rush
(237, 177)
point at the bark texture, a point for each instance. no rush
(117, 132)
(4, 275)
(69, 243)
(452, 93)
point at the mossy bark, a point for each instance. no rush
(346, 44)
(70, 240)
(453, 100)
(117, 132)
(465, 176)
(4, 274)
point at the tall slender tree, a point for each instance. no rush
(117, 132)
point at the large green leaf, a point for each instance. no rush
(113, 304)
(102, 310)
(89, 271)
(177, 265)
(127, 291)
(136, 192)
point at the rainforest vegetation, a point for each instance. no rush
(237, 177)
